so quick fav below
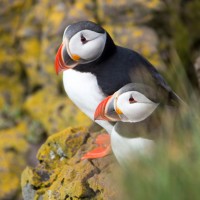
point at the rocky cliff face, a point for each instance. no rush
(33, 105)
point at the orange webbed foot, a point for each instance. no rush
(103, 149)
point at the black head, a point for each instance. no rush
(83, 42)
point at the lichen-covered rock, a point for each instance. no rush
(13, 149)
(61, 174)
(36, 44)
(82, 10)
(55, 112)
(11, 89)
(11, 95)
(142, 39)
(127, 11)
(62, 146)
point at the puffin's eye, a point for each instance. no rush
(132, 100)
(83, 39)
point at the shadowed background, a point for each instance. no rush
(33, 104)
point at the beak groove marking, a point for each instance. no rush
(59, 64)
(100, 110)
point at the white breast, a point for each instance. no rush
(83, 90)
(127, 149)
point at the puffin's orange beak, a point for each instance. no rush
(63, 61)
(100, 113)
(59, 64)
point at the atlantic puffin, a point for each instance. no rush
(137, 109)
(94, 67)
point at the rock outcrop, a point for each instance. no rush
(61, 174)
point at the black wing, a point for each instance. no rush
(144, 72)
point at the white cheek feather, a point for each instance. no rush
(137, 111)
(75, 44)
(92, 49)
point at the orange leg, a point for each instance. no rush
(103, 149)
(103, 139)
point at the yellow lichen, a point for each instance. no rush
(80, 11)
(9, 183)
(55, 17)
(31, 50)
(14, 138)
(57, 112)
(13, 148)
(61, 146)
(54, 176)
(11, 90)
(68, 182)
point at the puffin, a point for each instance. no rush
(137, 110)
(94, 67)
